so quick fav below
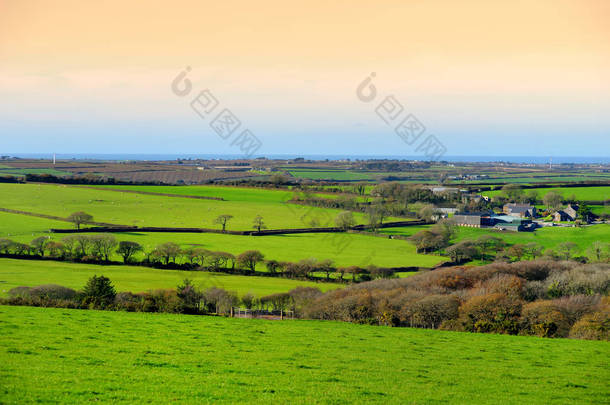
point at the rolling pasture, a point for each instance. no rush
(152, 210)
(601, 193)
(14, 273)
(343, 249)
(75, 356)
(549, 237)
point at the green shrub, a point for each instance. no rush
(98, 292)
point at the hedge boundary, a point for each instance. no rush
(266, 232)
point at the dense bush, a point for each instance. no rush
(544, 319)
(541, 298)
(98, 292)
(595, 326)
(53, 291)
(493, 312)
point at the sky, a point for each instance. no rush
(498, 78)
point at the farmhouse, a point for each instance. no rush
(520, 210)
(561, 215)
(567, 214)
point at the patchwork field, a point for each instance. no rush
(11, 171)
(601, 193)
(72, 356)
(14, 273)
(152, 210)
(343, 249)
(549, 237)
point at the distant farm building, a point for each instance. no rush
(447, 190)
(491, 220)
(473, 219)
(520, 210)
(511, 223)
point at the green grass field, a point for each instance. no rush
(601, 193)
(150, 210)
(548, 237)
(14, 273)
(24, 228)
(343, 249)
(74, 356)
(339, 175)
(11, 171)
(242, 194)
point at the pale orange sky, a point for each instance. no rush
(466, 67)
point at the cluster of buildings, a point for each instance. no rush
(514, 217)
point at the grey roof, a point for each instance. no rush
(519, 207)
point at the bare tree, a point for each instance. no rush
(345, 220)
(428, 212)
(552, 200)
(103, 245)
(325, 266)
(79, 218)
(533, 250)
(39, 244)
(168, 251)
(597, 250)
(567, 249)
(250, 258)
(259, 223)
(222, 220)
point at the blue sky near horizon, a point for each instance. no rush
(486, 78)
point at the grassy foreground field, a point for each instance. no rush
(29, 273)
(74, 356)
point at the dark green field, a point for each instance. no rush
(74, 356)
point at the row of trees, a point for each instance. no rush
(489, 247)
(100, 293)
(102, 247)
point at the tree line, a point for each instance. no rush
(99, 293)
(100, 248)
